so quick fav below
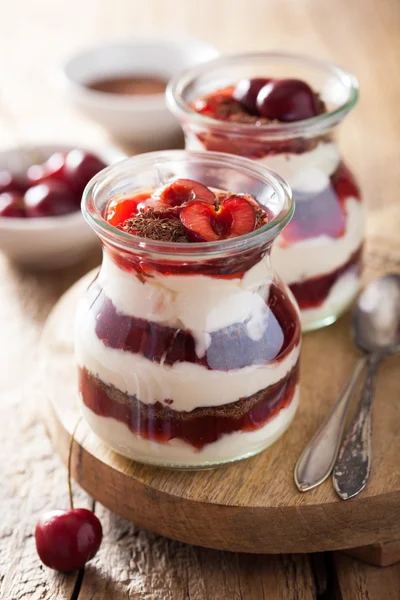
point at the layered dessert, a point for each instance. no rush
(280, 123)
(187, 363)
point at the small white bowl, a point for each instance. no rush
(47, 242)
(142, 120)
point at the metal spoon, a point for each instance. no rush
(318, 458)
(376, 326)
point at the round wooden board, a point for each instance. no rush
(253, 505)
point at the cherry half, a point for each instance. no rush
(67, 539)
(182, 191)
(235, 216)
(246, 92)
(173, 196)
(12, 205)
(287, 100)
(51, 198)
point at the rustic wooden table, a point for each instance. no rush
(363, 36)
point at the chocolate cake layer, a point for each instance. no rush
(230, 348)
(198, 427)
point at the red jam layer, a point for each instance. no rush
(199, 427)
(230, 348)
(311, 293)
(228, 267)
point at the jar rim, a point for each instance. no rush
(313, 125)
(191, 251)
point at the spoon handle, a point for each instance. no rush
(353, 465)
(318, 457)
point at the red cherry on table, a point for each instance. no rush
(287, 100)
(67, 539)
(246, 92)
(12, 205)
(10, 183)
(79, 168)
(51, 198)
(235, 216)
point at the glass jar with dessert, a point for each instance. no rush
(187, 343)
(282, 111)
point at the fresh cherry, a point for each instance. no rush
(177, 194)
(67, 539)
(47, 199)
(246, 92)
(287, 100)
(10, 183)
(235, 216)
(53, 168)
(182, 191)
(12, 205)
(80, 167)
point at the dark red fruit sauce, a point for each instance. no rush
(311, 293)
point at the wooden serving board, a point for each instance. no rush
(253, 505)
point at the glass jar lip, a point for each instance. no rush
(191, 251)
(320, 123)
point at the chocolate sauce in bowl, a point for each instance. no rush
(130, 85)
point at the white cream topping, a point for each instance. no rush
(189, 385)
(196, 303)
(322, 254)
(341, 295)
(179, 453)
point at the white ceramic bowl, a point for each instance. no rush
(142, 120)
(47, 242)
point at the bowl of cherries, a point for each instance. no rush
(41, 188)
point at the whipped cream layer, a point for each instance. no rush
(181, 454)
(321, 254)
(197, 303)
(307, 171)
(295, 168)
(341, 295)
(189, 385)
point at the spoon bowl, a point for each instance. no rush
(376, 317)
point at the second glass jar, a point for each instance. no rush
(188, 354)
(319, 254)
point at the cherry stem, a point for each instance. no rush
(71, 443)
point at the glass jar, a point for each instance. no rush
(319, 255)
(188, 353)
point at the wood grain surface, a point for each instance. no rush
(361, 35)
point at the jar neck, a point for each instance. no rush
(143, 265)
